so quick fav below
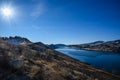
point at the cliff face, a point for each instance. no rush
(36, 61)
(110, 46)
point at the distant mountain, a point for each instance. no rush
(109, 46)
(55, 46)
(36, 61)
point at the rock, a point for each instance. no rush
(16, 64)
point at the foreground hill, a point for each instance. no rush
(109, 46)
(36, 61)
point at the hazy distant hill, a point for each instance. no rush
(36, 61)
(55, 46)
(109, 46)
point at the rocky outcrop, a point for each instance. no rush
(16, 40)
(110, 46)
(27, 62)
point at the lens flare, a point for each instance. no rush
(7, 12)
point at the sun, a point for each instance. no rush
(7, 11)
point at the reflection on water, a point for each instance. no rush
(104, 60)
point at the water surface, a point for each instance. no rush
(104, 60)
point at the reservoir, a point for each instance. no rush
(104, 60)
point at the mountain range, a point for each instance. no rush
(108, 46)
(22, 59)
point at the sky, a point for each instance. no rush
(62, 21)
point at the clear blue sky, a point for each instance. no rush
(62, 21)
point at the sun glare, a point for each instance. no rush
(7, 12)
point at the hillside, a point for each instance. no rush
(109, 46)
(36, 61)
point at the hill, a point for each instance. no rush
(36, 61)
(55, 46)
(109, 46)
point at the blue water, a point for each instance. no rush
(104, 60)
